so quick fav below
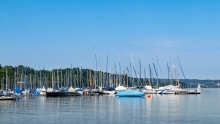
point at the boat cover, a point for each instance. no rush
(17, 90)
(108, 88)
(130, 93)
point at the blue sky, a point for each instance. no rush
(56, 33)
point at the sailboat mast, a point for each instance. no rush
(40, 79)
(127, 76)
(182, 72)
(135, 74)
(144, 76)
(131, 82)
(106, 81)
(81, 77)
(52, 80)
(150, 79)
(61, 77)
(17, 74)
(6, 79)
(66, 79)
(162, 75)
(30, 83)
(119, 69)
(116, 75)
(15, 80)
(25, 80)
(140, 73)
(131, 64)
(95, 69)
(156, 74)
(58, 86)
(175, 73)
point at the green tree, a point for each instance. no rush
(10, 70)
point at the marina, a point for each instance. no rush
(110, 109)
(109, 62)
(78, 81)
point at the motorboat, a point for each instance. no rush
(171, 89)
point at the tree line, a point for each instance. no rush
(76, 77)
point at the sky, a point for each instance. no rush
(57, 34)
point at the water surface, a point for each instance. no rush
(168, 109)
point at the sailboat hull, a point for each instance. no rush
(7, 98)
(55, 94)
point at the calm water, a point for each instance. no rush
(194, 109)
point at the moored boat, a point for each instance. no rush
(107, 91)
(149, 90)
(62, 92)
(120, 88)
(130, 93)
(55, 94)
(7, 98)
(43, 91)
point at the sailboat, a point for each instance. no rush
(63, 91)
(43, 91)
(107, 90)
(25, 91)
(148, 88)
(128, 93)
(7, 95)
(119, 87)
(80, 90)
(94, 90)
(171, 89)
(8, 98)
(17, 90)
(198, 90)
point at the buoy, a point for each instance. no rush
(148, 95)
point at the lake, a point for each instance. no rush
(168, 109)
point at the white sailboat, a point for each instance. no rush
(198, 90)
(148, 88)
(43, 91)
(119, 88)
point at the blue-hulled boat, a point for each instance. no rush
(34, 92)
(130, 93)
(17, 91)
(1, 93)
